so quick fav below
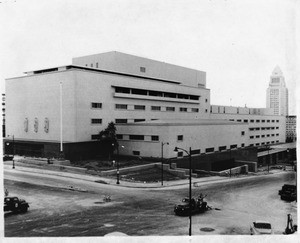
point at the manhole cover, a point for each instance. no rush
(206, 229)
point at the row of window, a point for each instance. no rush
(267, 135)
(145, 92)
(154, 138)
(252, 120)
(95, 105)
(262, 128)
(263, 143)
(156, 108)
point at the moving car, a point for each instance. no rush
(261, 228)
(197, 206)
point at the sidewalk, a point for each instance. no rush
(81, 174)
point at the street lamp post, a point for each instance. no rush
(13, 145)
(162, 163)
(13, 151)
(118, 171)
(268, 158)
(118, 166)
(190, 185)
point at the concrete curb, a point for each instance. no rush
(197, 182)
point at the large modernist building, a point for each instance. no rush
(151, 103)
(277, 93)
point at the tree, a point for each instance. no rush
(109, 139)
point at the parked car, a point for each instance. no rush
(7, 157)
(288, 192)
(15, 205)
(261, 228)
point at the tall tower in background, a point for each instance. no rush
(277, 93)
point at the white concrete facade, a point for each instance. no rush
(147, 100)
(203, 136)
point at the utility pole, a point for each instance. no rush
(190, 185)
(162, 162)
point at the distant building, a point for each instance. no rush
(291, 135)
(3, 115)
(277, 93)
(150, 102)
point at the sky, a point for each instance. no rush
(237, 43)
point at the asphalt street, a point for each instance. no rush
(66, 204)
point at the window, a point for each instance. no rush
(154, 138)
(209, 150)
(243, 133)
(142, 69)
(155, 93)
(136, 153)
(119, 136)
(180, 154)
(122, 90)
(243, 145)
(118, 121)
(169, 108)
(251, 120)
(96, 121)
(268, 120)
(91, 64)
(233, 146)
(257, 136)
(257, 121)
(139, 120)
(268, 135)
(183, 109)
(121, 106)
(205, 100)
(97, 65)
(139, 107)
(205, 110)
(96, 105)
(257, 144)
(183, 96)
(170, 95)
(155, 108)
(136, 137)
(221, 148)
(251, 145)
(262, 136)
(195, 151)
(262, 120)
(245, 120)
(180, 138)
(195, 110)
(139, 91)
(239, 120)
(95, 137)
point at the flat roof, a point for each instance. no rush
(68, 67)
